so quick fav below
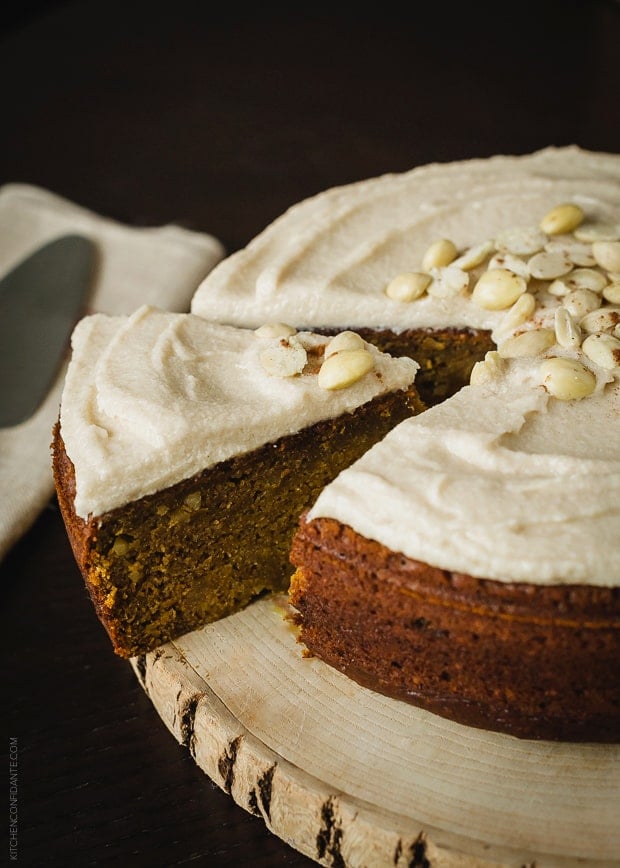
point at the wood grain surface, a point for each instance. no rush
(219, 117)
(353, 778)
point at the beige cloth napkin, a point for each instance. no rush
(161, 266)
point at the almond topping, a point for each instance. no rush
(275, 330)
(586, 278)
(591, 232)
(520, 312)
(603, 350)
(527, 344)
(605, 319)
(563, 218)
(546, 266)
(607, 254)
(521, 240)
(285, 357)
(611, 293)
(579, 302)
(344, 341)
(498, 289)
(566, 379)
(578, 252)
(408, 286)
(474, 256)
(511, 262)
(439, 254)
(448, 281)
(488, 369)
(567, 332)
(344, 368)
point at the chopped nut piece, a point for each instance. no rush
(488, 369)
(603, 350)
(344, 368)
(346, 340)
(566, 379)
(439, 254)
(498, 289)
(563, 218)
(121, 546)
(408, 286)
(285, 357)
(275, 330)
(448, 281)
(558, 287)
(193, 500)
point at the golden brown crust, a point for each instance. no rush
(533, 661)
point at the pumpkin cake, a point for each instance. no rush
(470, 562)
(185, 452)
(465, 559)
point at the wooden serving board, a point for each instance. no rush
(352, 778)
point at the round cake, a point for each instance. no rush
(470, 562)
(465, 558)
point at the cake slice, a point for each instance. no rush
(185, 452)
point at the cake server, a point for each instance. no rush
(41, 300)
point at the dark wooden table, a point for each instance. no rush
(219, 120)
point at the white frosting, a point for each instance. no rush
(501, 481)
(327, 260)
(153, 398)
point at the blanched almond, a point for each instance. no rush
(562, 218)
(408, 286)
(566, 379)
(498, 289)
(346, 340)
(439, 254)
(344, 368)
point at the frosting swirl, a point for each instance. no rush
(153, 398)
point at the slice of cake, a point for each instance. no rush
(186, 451)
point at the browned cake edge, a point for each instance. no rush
(537, 662)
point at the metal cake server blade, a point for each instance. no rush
(41, 300)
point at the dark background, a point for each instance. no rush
(219, 118)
